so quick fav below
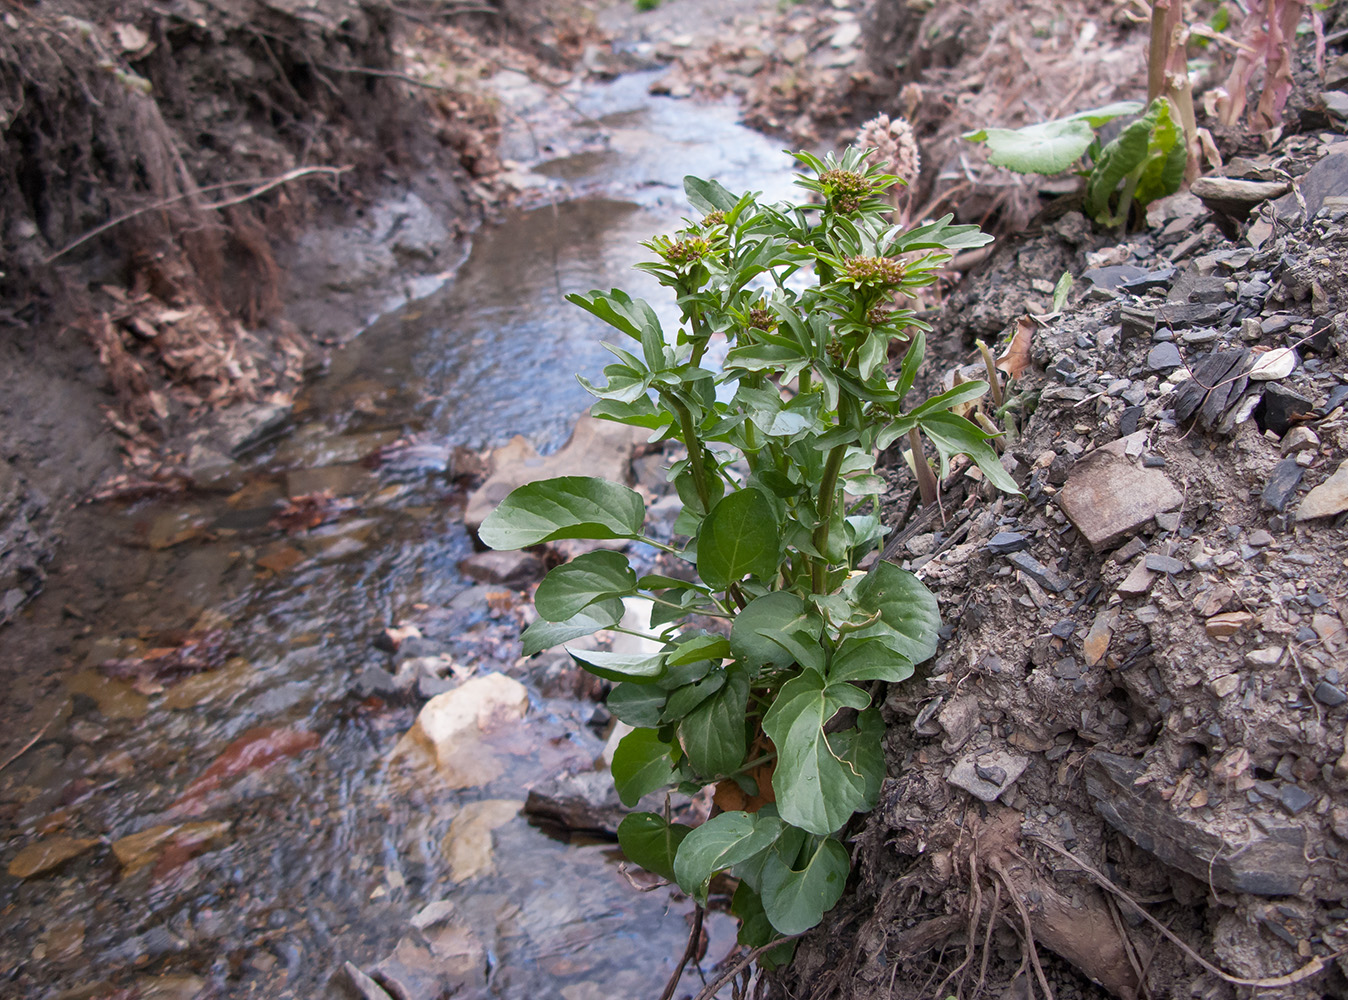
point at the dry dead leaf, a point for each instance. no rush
(1016, 358)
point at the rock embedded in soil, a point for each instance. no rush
(1164, 357)
(1327, 499)
(1108, 495)
(1281, 484)
(975, 773)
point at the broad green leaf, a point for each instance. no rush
(637, 667)
(905, 605)
(1117, 160)
(684, 699)
(641, 764)
(543, 634)
(708, 196)
(772, 615)
(720, 843)
(712, 735)
(700, 646)
(648, 840)
(862, 748)
(954, 435)
(756, 929)
(815, 789)
(568, 507)
(572, 587)
(868, 659)
(1167, 156)
(1095, 117)
(1047, 148)
(739, 536)
(638, 705)
(796, 900)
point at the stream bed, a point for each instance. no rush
(215, 808)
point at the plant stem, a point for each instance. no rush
(828, 496)
(696, 462)
(994, 380)
(926, 482)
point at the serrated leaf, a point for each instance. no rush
(594, 576)
(720, 843)
(567, 507)
(651, 842)
(642, 763)
(816, 790)
(739, 537)
(796, 900)
(543, 634)
(708, 196)
(636, 667)
(907, 607)
(712, 734)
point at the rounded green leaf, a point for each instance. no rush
(720, 843)
(567, 507)
(712, 734)
(638, 667)
(797, 899)
(868, 659)
(816, 789)
(739, 536)
(1047, 148)
(544, 634)
(637, 705)
(907, 607)
(642, 763)
(755, 635)
(574, 586)
(650, 841)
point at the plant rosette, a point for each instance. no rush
(771, 645)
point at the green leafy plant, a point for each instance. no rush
(1144, 162)
(770, 644)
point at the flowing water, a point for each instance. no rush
(308, 843)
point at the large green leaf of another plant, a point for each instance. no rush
(574, 586)
(1124, 154)
(756, 930)
(568, 507)
(543, 634)
(1167, 157)
(738, 537)
(906, 607)
(641, 764)
(712, 734)
(816, 790)
(1047, 148)
(720, 843)
(869, 659)
(651, 841)
(638, 705)
(797, 899)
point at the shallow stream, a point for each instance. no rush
(306, 845)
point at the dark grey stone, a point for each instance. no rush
(1115, 276)
(1280, 408)
(1282, 483)
(1064, 628)
(1329, 695)
(1164, 358)
(1157, 280)
(1163, 564)
(1135, 321)
(1128, 420)
(1183, 315)
(1044, 576)
(1295, 799)
(1006, 542)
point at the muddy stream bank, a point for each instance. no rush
(217, 806)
